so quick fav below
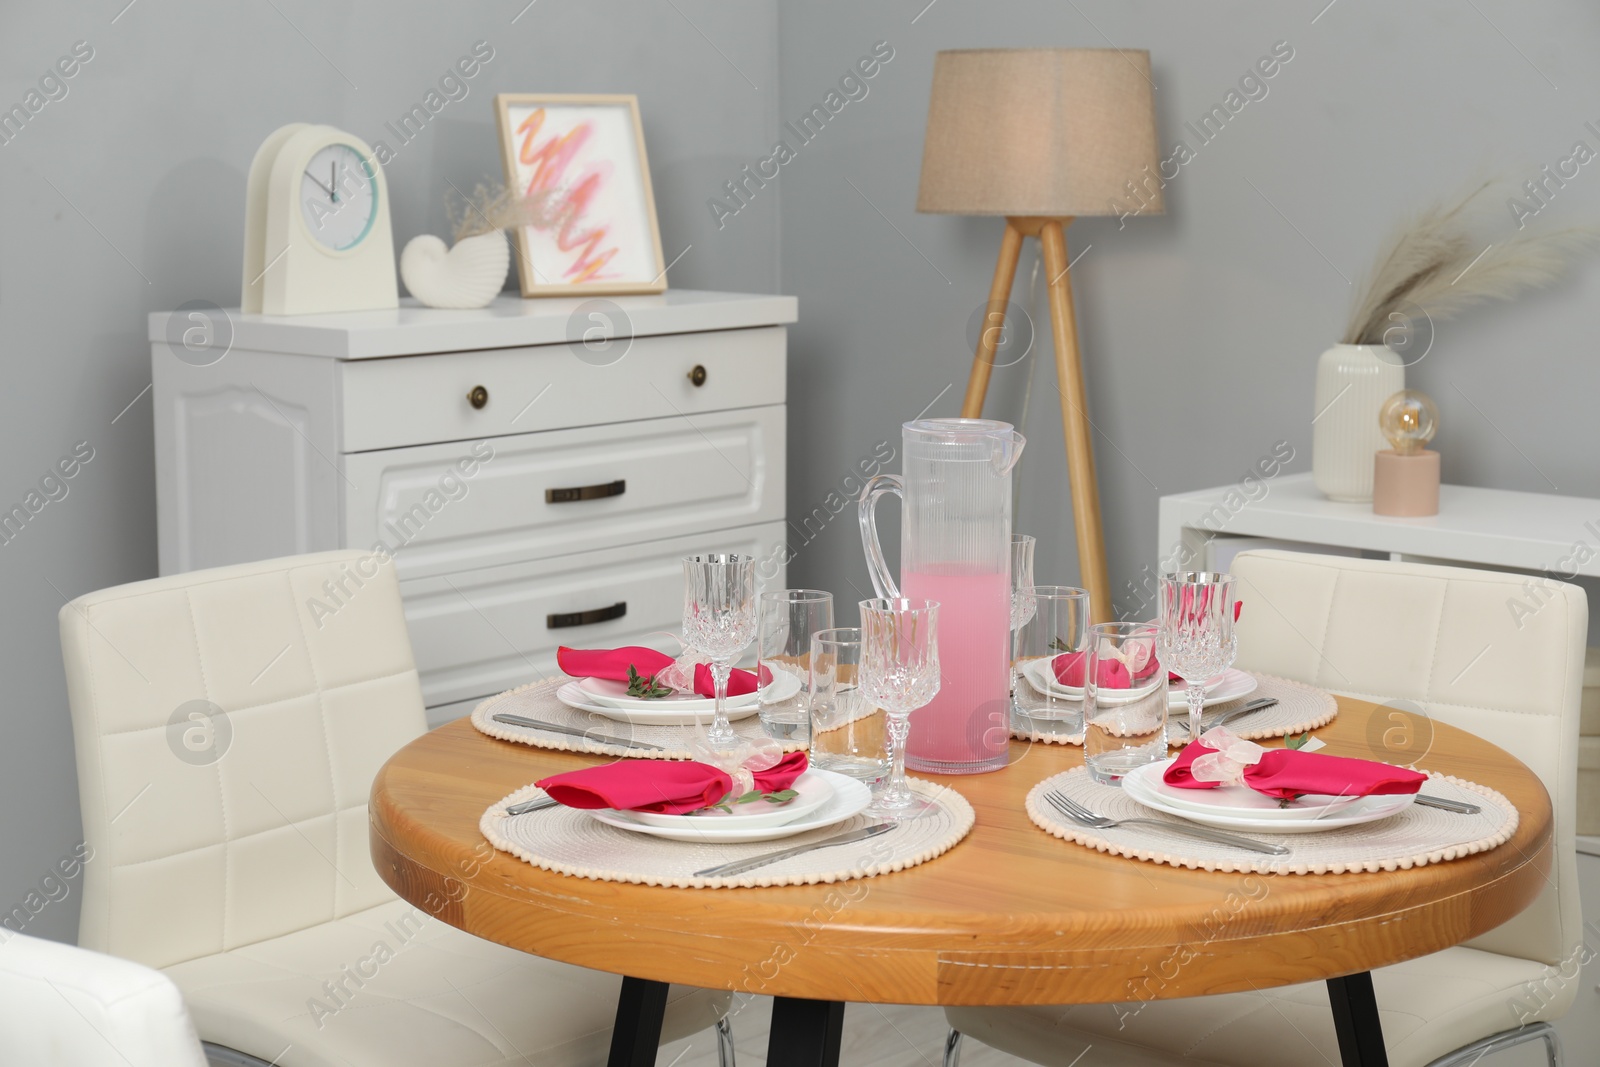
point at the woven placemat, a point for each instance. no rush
(571, 842)
(537, 700)
(1415, 837)
(1300, 707)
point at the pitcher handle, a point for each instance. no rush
(876, 486)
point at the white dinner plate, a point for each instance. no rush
(1239, 808)
(784, 686)
(615, 695)
(1229, 685)
(850, 797)
(574, 697)
(813, 786)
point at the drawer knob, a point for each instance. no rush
(479, 397)
(698, 375)
(562, 620)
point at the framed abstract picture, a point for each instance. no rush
(581, 161)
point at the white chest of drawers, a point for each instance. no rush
(534, 490)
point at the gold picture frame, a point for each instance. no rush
(584, 152)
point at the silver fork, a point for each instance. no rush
(1084, 817)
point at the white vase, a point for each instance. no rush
(466, 276)
(1353, 381)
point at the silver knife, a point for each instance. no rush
(1229, 716)
(572, 731)
(740, 866)
(1457, 806)
(537, 804)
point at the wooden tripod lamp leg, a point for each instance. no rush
(994, 321)
(1075, 421)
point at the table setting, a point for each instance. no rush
(713, 766)
(792, 769)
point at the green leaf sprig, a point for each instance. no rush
(645, 688)
(777, 796)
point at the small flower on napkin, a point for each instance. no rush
(1217, 757)
(671, 787)
(622, 664)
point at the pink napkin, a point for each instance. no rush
(667, 787)
(613, 664)
(1071, 668)
(1284, 772)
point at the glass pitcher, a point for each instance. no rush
(955, 547)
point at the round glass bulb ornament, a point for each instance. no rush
(1409, 420)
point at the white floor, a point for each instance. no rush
(900, 1035)
(884, 1035)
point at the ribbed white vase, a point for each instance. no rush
(1353, 381)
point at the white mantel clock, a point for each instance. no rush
(317, 234)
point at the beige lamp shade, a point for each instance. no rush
(1048, 131)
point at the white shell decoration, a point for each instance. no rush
(466, 276)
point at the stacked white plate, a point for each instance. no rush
(1237, 807)
(1229, 685)
(610, 699)
(825, 798)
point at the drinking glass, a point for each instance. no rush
(1124, 700)
(1197, 638)
(719, 621)
(1021, 579)
(847, 730)
(788, 618)
(1058, 626)
(899, 673)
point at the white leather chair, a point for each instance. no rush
(231, 851)
(1446, 639)
(64, 1006)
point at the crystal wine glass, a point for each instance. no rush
(899, 673)
(1197, 641)
(719, 621)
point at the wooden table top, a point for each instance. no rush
(1011, 915)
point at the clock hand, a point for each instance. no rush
(333, 180)
(324, 188)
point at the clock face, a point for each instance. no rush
(338, 197)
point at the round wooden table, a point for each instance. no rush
(1011, 915)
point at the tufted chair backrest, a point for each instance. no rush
(228, 725)
(1480, 650)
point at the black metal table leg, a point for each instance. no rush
(805, 1033)
(636, 1035)
(1355, 1020)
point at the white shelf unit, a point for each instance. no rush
(534, 489)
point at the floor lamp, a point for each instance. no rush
(1040, 136)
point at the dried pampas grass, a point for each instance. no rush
(1441, 265)
(494, 207)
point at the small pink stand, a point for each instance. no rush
(1405, 486)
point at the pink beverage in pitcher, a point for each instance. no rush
(955, 549)
(965, 726)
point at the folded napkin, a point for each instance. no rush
(667, 787)
(613, 664)
(1072, 668)
(1220, 758)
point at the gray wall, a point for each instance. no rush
(1219, 309)
(126, 196)
(152, 142)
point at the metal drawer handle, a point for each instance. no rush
(586, 618)
(698, 375)
(586, 492)
(478, 397)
